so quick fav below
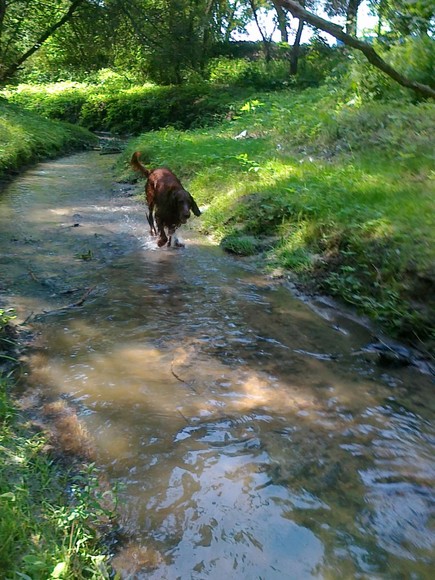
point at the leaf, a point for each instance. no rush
(59, 570)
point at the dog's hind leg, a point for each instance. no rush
(150, 219)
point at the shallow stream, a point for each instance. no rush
(252, 436)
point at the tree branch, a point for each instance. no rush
(372, 56)
(12, 69)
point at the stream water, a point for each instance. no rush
(252, 437)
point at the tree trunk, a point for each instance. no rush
(372, 56)
(351, 17)
(3, 12)
(12, 69)
(230, 20)
(266, 43)
(282, 21)
(294, 55)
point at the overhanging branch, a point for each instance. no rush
(369, 52)
(12, 69)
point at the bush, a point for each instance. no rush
(257, 74)
(111, 107)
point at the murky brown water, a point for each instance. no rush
(252, 439)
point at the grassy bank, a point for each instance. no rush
(53, 514)
(115, 106)
(26, 138)
(53, 517)
(315, 182)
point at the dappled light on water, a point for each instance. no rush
(252, 437)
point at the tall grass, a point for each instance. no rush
(343, 191)
(46, 532)
(26, 138)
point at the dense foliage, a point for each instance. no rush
(165, 41)
(333, 189)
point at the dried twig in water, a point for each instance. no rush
(32, 275)
(83, 298)
(180, 379)
(74, 304)
(184, 417)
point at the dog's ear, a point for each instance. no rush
(194, 207)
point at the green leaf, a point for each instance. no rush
(59, 570)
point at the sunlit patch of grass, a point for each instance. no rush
(26, 138)
(45, 533)
(346, 189)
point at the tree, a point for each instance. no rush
(233, 15)
(25, 26)
(406, 17)
(347, 8)
(372, 56)
(281, 17)
(266, 40)
(294, 55)
(174, 37)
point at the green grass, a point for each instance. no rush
(123, 109)
(45, 532)
(343, 191)
(52, 517)
(26, 138)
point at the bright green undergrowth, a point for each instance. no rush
(114, 105)
(343, 191)
(26, 138)
(46, 532)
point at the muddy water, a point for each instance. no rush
(251, 436)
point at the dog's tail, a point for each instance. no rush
(137, 165)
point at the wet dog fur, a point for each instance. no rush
(169, 204)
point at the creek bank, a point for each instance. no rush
(403, 327)
(63, 502)
(247, 354)
(27, 138)
(382, 349)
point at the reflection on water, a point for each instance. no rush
(250, 438)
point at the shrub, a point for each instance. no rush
(108, 107)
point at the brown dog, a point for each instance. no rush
(167, 201)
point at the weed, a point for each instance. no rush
(43, 532)
(239, 244)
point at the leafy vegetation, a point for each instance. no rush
(110, 106)
(342, 190)
(43, 532)
(52, 519)
(26, 138)
(334, 182)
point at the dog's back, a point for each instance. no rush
(163, 182)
